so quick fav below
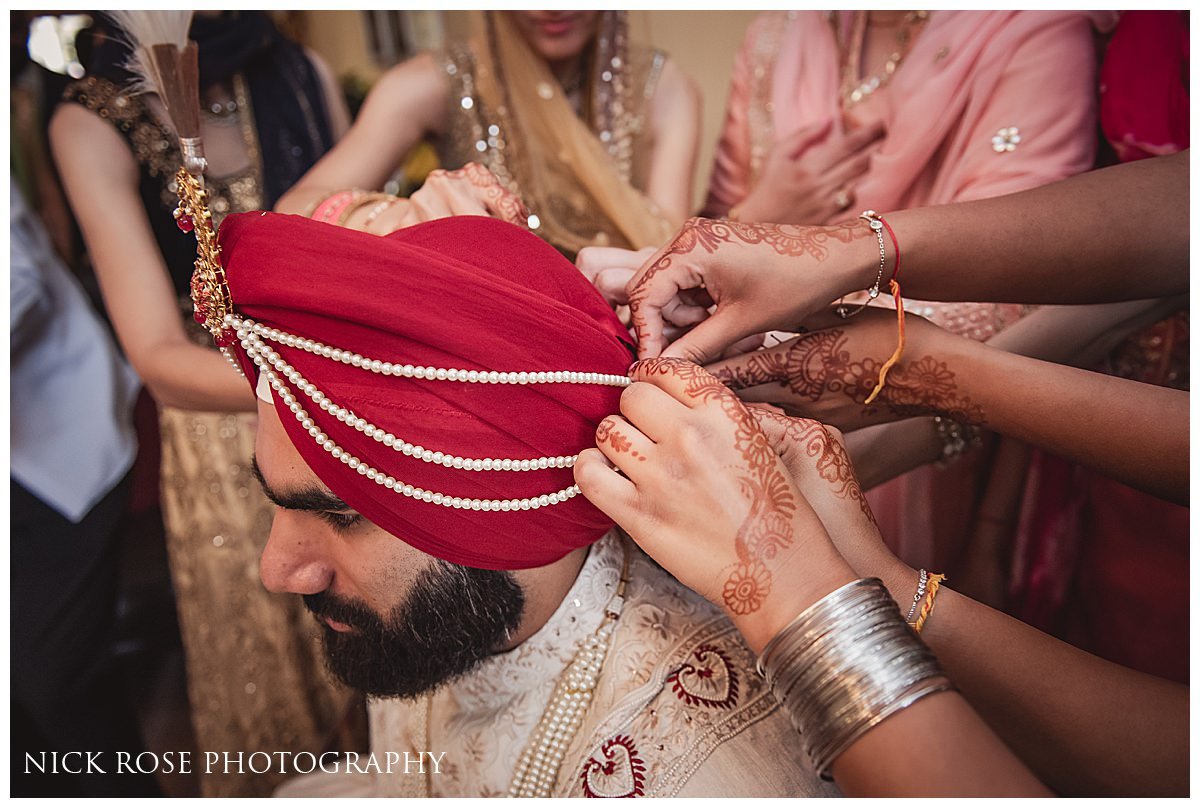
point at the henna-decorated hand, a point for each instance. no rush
(469, 191)
(828, 374)
(610, 270)
(702, 490)
(820, 467)
(823, 473)
(759, 276)
(804, 174)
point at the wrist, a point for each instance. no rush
(793, 589)
(855, 266)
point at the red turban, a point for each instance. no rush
(466, 293)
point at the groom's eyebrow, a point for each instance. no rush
(305, 498)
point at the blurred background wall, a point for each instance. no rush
(359, 45)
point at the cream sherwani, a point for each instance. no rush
(678, 709)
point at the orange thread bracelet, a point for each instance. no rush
(935, 581)
(894, 288)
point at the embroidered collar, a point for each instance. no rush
(504, 677)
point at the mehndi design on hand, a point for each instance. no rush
(709, 234)
(767, 528)
(818, 364)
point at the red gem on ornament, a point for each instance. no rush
(185, 223)
(225, 339)
(199, 316)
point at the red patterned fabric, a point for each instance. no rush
(467, 292)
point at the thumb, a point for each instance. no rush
(708, 340)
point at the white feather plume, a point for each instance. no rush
(144, 29)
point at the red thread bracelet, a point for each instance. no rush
(895, 244)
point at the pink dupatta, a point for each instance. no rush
(969, 74)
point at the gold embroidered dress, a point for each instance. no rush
(577, 156)
(256, 680)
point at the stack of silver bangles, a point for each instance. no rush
(845, 664)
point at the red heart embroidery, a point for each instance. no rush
(707, 678)
(621, 773)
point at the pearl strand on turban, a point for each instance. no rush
(271, 365)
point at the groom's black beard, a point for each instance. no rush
(453, 618)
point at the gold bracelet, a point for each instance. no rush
(379, 209)
(358, 203)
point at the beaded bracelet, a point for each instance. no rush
(956, 437)
(845, 664)
(922, 580)
(358, 203)
(375, 212)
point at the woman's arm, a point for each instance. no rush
(1079, 336)
(1133, 432)
(675, 122)
(335, 99)
(1084, 725)
(1119, 233)
(101, 180)
(406, 103)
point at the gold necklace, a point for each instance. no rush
(538, 766)
(855, 89)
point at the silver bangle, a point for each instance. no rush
(845, 664)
